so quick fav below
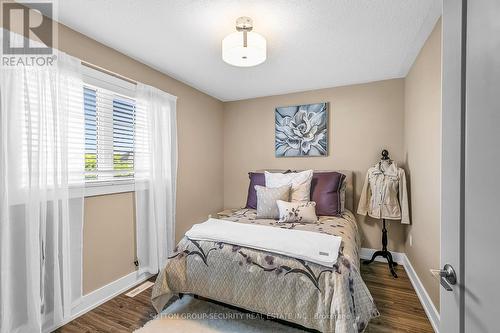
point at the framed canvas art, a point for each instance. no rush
(301, 130)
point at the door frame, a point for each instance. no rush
(453, 160)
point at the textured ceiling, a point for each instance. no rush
(311, 43)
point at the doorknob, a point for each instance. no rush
(447, 276)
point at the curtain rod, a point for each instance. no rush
(106, 71)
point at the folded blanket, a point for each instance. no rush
(310, 246)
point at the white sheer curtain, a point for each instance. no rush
(155, 176)
(41, 155)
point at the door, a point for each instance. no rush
(470, 223)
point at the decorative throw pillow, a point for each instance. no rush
(304, 212)
(343, 189)
(266, 200)
(256, 178)
(300, 182)
(326, 191)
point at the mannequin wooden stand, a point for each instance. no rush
(384, 253)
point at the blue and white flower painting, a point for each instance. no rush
(302, 130)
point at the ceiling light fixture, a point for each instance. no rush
(244, 48)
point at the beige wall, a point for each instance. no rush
(364, 119)
(200, 168)
(108, 239)
(423, 159)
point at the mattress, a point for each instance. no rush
(327, 299)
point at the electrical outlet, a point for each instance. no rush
(411, 240)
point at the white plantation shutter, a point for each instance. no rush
(110, 121)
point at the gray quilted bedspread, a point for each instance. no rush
(328, 299)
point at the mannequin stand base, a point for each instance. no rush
(387, 255)
(384, 253)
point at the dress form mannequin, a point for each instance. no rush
(384, 252)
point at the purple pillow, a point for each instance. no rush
(325, 191)
(256, 178)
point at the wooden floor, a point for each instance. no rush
(396, 300)
(398, 304)
(121, 314)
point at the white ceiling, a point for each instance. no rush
(311, 43)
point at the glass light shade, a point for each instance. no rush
(234, 53)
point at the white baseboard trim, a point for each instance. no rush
(423, 296)
(102, 295)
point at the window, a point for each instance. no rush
(109, 135)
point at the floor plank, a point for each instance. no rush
(400, 309)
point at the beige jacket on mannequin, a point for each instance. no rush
(384, 194)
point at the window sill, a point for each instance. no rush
(105, 188)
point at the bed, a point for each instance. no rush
(326, 299)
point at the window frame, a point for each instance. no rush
(98, 79)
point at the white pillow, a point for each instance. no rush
(300, 182)
(304, 212)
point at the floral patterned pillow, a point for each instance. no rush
(304, 212)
